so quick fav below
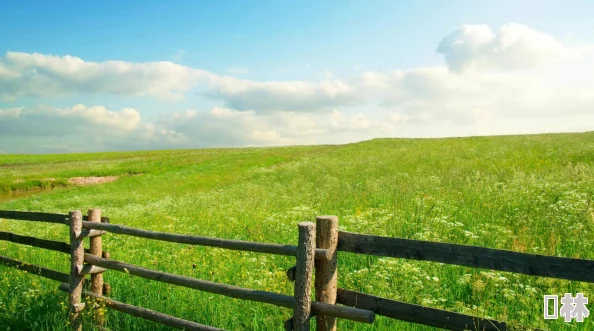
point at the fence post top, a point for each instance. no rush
(306, 224)
(327, 217)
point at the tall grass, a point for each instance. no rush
(523, 193)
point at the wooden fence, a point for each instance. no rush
(316, 251)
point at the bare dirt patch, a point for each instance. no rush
(91, 180)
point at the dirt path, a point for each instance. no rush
(91, 180)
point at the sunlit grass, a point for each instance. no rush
(523, 193)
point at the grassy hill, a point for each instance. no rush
(524, 193)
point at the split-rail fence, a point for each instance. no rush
(316, 253)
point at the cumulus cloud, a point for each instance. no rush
(489, 81)
(24, 74)
(277, 96)
(39, 75)
(49, 121)
(227, 127)
(512, 74)
(514, 46)
(80, 128)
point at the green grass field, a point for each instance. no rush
(523, 193)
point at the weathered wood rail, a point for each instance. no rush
(95, 262)
(144, 313)
(42, 217)
(35, 269)
(76, 251)
(316, 253)
(455, 254)
(418, 314)
(469, 256)
(240, 245)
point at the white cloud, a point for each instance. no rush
(49, 121)
(277, 96)
(514, 80)
(227, 127)
(23, 74)
(514, 46)
(39, 75)
(356, 122)
(126, 119)
(80, 128)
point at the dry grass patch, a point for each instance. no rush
(91, 180)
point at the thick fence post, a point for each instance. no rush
(303, 275)
(96, 279)
(77, 255)
(326, 273)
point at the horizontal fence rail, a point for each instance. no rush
(469, 256)
(146, 314)
(413, 313)
(354, 306)
(353, 314)
(240, 245)
(419, 314)
(41, 217)
(36, 242)
(33, 216)
(35, 269)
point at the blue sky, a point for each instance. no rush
(276, 39)
(271, 42)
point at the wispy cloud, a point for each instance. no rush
(179, 54)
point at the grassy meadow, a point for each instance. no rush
(524, 193)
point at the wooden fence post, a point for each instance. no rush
(96, 279)
(77, 254)
(106, 286)
(303, 274)
(326, 273)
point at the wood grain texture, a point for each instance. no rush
(88, 269)
(57, 246)
(96, 245)
(34, 216)
(147, 314)
(103, 219)
(76, 258)
(288, 324)
(421, 315)
(469, 256)
(326, 273)
(303, 275)
(240, 245)
(36, 242)
(354, 314)
(86, 233)
(41, 217)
